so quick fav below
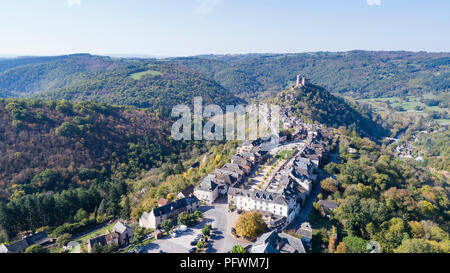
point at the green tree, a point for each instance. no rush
(200, 245)
(63, 239)
(198, 215)
(126, 209)
(206, 230)
(36, 249)
(67, 129)
(81, 215)
(392, 233)
(421, 246)
(355, 244)
(101, 207)
(238, 249)
(167, 225)
(113, 202)
(184, 218)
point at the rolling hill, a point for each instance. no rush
(359, 74)
(145, 83)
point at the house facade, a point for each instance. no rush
(125, 233)
(207, 191)
(156, 216)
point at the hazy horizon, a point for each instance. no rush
(218, 54)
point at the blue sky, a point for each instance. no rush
(190, 27)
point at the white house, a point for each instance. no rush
(207, 191)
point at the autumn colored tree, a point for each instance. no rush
(329, 185)
(250, 225)
(332, 240)
(341, 248)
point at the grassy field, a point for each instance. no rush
(409, 105)
(137, 76)
(285, 154)
(84, 239)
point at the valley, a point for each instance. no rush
(85, 141)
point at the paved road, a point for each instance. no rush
(222, 241)
(306, 210)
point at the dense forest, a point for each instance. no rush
(359, 74)
(58, 157)
(315, 104)
(144, 83)
(381, 198)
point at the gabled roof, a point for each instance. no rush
(188, 190)
(38, 238)
(207, 185)
(184, 202)
(120, 227)
(163, 201)
(98, 240)
(328, 204)
(272, 242)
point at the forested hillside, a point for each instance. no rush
(147, 86)
(57, 158)
(145, 83)
(315, 104)
(28, 76)
(360, 74)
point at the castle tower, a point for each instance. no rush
(302, 81)
(298, 81)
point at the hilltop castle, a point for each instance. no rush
(302, 81)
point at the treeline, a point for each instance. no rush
(395, 203)
(358, 74)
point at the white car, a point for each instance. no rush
(173, 234)
(182, 228)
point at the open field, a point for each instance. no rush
(381, 104)
(137, 76)
(411, 105)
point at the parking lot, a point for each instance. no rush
(220, 240)
(179, 244)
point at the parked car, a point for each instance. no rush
(173, 234)
(183, 228)
(194, 242)
(192, 250)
